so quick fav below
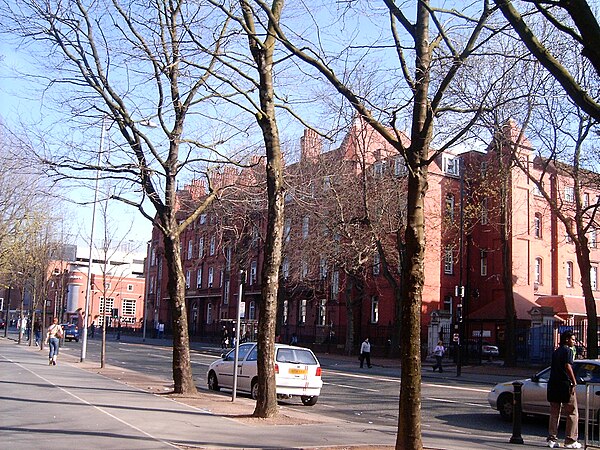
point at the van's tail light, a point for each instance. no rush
(318, 371)
(276, 368)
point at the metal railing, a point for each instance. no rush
(592, 429)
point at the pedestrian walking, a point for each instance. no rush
(561, 393)
(438, 353)
(161, 329)
(55, 332)
(365, 353)
(224, 337)
(92, 329)
(37, 332)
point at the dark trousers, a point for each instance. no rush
(365, 356)
(438, 363)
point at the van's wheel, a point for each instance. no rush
(254, 389)
(213, 383)
(309, 400)
(505, 407)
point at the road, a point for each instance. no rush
(368, 396)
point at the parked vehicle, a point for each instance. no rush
(297, 372)
(70, 332)
(483, 348)
(533, 397)
(2, 324)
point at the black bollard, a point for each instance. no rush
(516, 437)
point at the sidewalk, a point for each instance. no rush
(72, 403)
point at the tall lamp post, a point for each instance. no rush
(89, 271)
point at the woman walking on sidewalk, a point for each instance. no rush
(438, 353)
(54, 334)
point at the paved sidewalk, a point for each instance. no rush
(68, 407)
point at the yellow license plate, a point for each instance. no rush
(298, 371)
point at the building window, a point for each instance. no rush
(253, 270)
(376, 263)
(302, 312)
(190, 250)
(483, 168)
(537, 226)
(105, 309)
(569, 194)
(305, 223)
(213, 245)
(199, 278)
(399, 166)
(209, 312)
(538, 271)
(128, 307)
(594, 277)
(379, 169)
(323, 268)
(448, 303)
(335, 285)
(593, 240)
(130, 287)
(228, 258)
(221, 277)
(449, 261)
(303, 269)
(322, 313)
(586, 200)
(152, 284)
(483, 263)
(484, 211)
(285, 312)
(188, 275)
(450, 207)
(255, 236)
(537, 189)
(211, 276)
(252, 311)
(326, 183)
(287, 228)
(569, 273)
(374, 309)
(202, 219)
(153, 257)
(451, 165)
(285, 268)
(226, 293)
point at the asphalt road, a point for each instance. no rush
(367, 396)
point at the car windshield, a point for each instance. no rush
(295, 356)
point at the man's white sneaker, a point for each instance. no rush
(573, 445)
(553, 444)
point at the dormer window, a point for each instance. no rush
(451, 165)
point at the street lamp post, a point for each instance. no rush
(89, 271)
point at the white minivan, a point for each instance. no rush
(297, 372)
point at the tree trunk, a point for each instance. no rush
(182, 367)
(266, 404)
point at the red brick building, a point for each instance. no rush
(339, 205)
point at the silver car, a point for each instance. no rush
(297, 372)
(534, 391)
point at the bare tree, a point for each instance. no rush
(575, 25)
(128, 64)
(443, 54)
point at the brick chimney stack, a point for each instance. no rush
(310, 145)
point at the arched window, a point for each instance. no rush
(252, 311)
(209, 310)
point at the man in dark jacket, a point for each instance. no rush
(561, 393)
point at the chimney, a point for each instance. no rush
(310, 145)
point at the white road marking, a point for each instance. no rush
(445, 400)
(397, 380)
(352, 387)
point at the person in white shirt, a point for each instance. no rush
(438, 353)
(55, 332)
(365, 353)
